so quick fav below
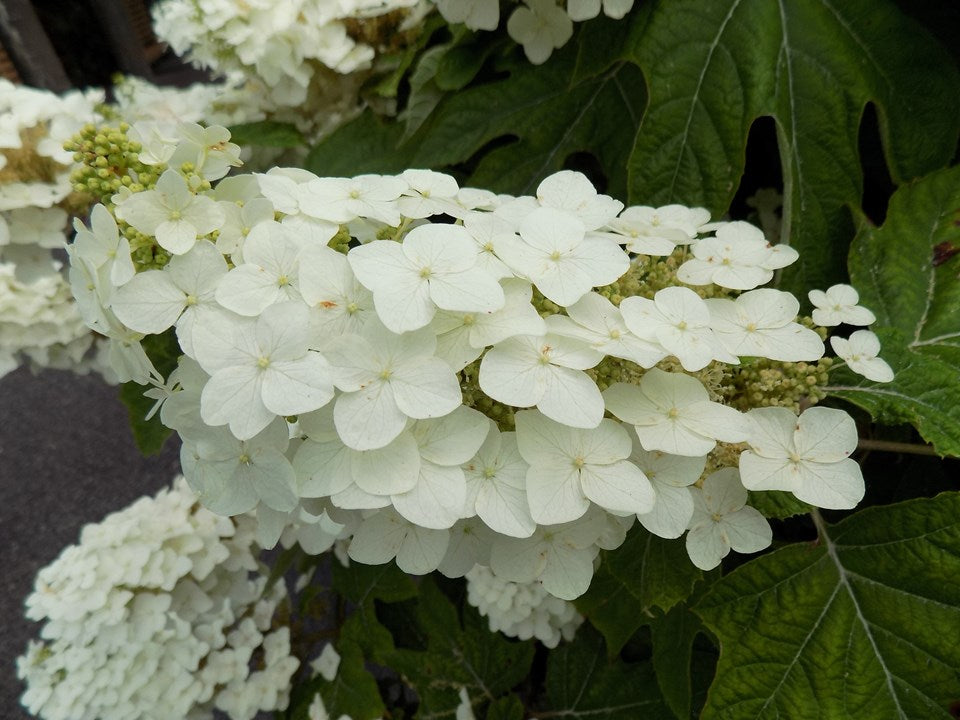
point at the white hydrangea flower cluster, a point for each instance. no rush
(452, 378)
(229, 102)
(540, 26)
(38, 323)
(521, 610)
(311, 52)
(157, 613)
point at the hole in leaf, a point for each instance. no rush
(587, 164)
(877, 185)
(759, 197)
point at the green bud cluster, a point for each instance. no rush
(612, 370)
(341, 241)
(724, 455)
(108, 160)
(769, 383)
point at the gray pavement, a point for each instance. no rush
(66, 459)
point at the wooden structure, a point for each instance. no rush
(28, 56)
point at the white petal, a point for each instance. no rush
(428, 389)
(292, 387)
(671, 511)
(248, 290)
(389, 470)
(761, 473)
(469, 290)
(453, 439)
(620, 487)
(369, 418)
(825, 435)
(149, 303)
(706, 546)
(322, 469)
(379, 538)
(835, 486)
(571, 397)
(568, 572)
(436, 500)
(747, 530)
(554, 493)
(232, 396)
(422, 550)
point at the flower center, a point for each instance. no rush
(425, 272)
(489, 472)
(263, 362)
(578, 462)
(385, 374)
(191, 300)
(175, 215)
(555, 255)
(673, 413)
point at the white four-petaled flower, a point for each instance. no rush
(859, 351)
(808, 456)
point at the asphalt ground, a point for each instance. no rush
(66, 459)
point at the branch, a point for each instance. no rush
(897, 447)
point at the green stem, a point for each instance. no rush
(896, 447)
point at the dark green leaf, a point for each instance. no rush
(906, 275)
(462, 63)
(149, 435)
(583, 683)
(777, 504)
(362, 585)
(537, 116)
(672, 636)
(390, 84)
(924, 392)
(267, 133)
(861, 626)
(368, 144)
(656, 571)
(714, 68)
(506, 708)
(612, 609)
(468, 656)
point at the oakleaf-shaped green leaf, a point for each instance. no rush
(861, 626)
(906, 274)
(713, 68)
(583, 683)
(656, 571)
(361, 585)
(537, 115)
(645, 572)
(458, 656)
(672, 635)
(611, 608)
(353, 692)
